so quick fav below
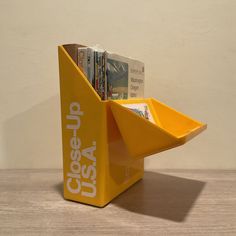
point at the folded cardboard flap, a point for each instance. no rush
(144, 138)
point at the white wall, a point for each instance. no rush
(189, 48)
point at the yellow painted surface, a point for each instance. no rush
(104, 143)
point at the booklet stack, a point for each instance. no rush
(113, 76)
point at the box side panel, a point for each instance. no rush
(122, 170)
(82, 115)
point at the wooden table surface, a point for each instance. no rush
(165, 202)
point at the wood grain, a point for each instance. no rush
(165, 202)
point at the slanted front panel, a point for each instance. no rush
(121, 169)
(83, 132)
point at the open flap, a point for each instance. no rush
(144, 138)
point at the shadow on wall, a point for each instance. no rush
(161, 196)
(33, 138)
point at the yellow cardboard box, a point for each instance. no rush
(104, 143)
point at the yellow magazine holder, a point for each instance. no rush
(104, 143)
